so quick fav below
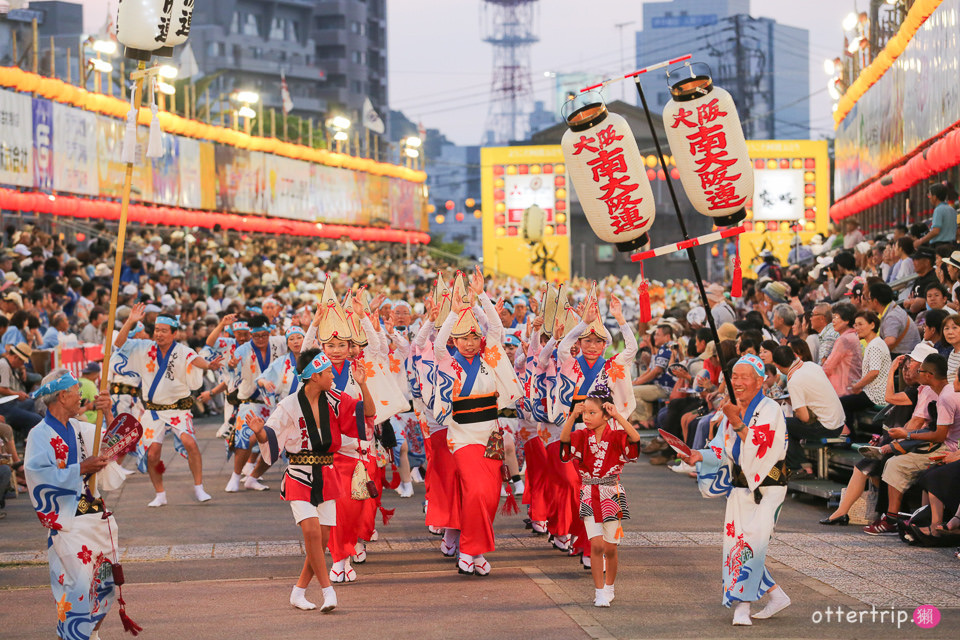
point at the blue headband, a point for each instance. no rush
(259, 329)
(53, 386)
(403, 303)
(173, 323)
(240, 325)
(294, 331)
(137, 328)
(754, 362)
(511, 340)
(508, 307)
(319, 364)
(520, 300)
(255, 310)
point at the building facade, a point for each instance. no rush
(332, 52)
(764, 65)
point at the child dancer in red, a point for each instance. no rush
(600, 451)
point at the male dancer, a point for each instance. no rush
(310, 426)
(168, 371)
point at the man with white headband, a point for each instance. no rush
(169, 371)
(254, 359)
(745, 463)
(310, 425)
(82, 540)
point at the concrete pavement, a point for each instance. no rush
(224, 570)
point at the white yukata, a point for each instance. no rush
(81, 547)
(120, 374)
(752, 511)
(165, 379)
(227, 349)
(252, 398)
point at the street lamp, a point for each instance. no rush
(339, 125)
(245, 98)
(168, 71)
(850, 21)
(411, 149)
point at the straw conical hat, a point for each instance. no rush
(358, 335)
(441, 299)
(466, 324)
(596, 327)
(335, 323)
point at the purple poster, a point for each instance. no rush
(42, 144)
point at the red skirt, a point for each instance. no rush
(369, 518)
(479, 497)
(441, 483)
(535, 487)
(350, 512)
(563, 493)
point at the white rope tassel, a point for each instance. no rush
(129, 149)
(155, 145)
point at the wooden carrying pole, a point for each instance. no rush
(138, 77)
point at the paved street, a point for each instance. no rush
(225, 569)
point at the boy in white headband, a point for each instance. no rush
(310, 426)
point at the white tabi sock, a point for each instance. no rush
(609, 590)
(202, 495)
(248, 469)
(233, 485)
(160, 500)
(329, 600)
(298, 598)
(600, 598)
(777, 602)
(741, 615)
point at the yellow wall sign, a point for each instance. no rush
(791, 197)
(512, 180)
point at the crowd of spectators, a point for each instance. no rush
(861, 339)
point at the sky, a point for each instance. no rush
(440, 70)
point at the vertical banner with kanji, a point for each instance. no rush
(16, 139)
(43, 144)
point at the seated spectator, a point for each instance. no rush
(19, 413)
(908, 409)
(900, 471)
(868, 391)
(817, 412)
(17, 330)
(59, 326)
(923, 261)
(92, 332)
(951, 335)
(843, 364)
(903, 267)
(897, 328)
(933, 331)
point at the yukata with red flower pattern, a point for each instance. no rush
(81, 544)
(600, 462)
(752, 510)
(166, 378)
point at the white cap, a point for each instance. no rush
(921, 351)
(130, 290)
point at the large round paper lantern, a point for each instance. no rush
(181, 16)
(707, 141)
(607, 171)
(143, 26)
(534, 221)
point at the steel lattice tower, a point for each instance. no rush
(509, 26)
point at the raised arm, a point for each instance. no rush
(228, 319)
(136, 315)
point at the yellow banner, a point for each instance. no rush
(514, 179)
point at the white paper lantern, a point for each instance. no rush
(143, 25)
(181, 17)
(534, 221)
(707, 141)
(606, 168)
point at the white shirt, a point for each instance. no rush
(809, 387)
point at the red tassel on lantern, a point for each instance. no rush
(736, 287)
(128, 624)
(645, 313)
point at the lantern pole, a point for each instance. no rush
(690, 254)
(138, 77)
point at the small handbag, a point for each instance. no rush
(359, 488)
(494, 449)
